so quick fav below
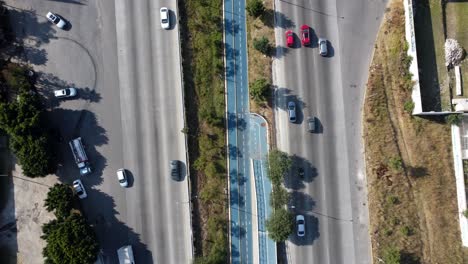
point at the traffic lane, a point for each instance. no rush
(299, 145)
(156, 217)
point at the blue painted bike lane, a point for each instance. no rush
(237, 122)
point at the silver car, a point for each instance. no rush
(323, 49)
(311, 124)
(64, 93)
(79, 189)
(300, 222)
(292, 112)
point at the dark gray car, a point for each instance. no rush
(311, 124)
(175, 170)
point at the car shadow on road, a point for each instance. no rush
(331, 50)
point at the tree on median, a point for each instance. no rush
(260, 90)
(279, 197)
(278, 165)
(280, 225)
(255, 8)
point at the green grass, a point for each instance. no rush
(205, 105)
(457, 28)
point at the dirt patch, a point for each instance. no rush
(412, 196)
(260, 65)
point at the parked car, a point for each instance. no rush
(165, 20)
(122, 177)
(300, 223)
(64, 93)
(292, 112)
(311, 124)
(323, 49)
(79, 189)
(56, 19)
(305, 35)
(289, 38)
(175, 170)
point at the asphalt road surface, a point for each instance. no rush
(129, 112)
(332, 195)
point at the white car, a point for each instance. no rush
(79, 189)
(64, 93)
(122, 177)
(56, 19)
(323, 49)
(300, 222)
(165, 20)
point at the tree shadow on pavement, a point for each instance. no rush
(294, 180)
(280, 51)
(47, 83)
(110, 231)
(311, 232)
(282, 21)
(71, 124)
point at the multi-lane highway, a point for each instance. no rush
(332, 195)
(129, 112)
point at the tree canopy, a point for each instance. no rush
(278, 164)
(255, 8)
(70, 241)
(280, 225)
(260, 90)
(59, 200)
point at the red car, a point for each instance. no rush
(289, 38)
(305, 35)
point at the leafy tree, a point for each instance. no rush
(262, 45)
(278, 164)
(280, 225)
(454, 119)
(260, 90)
(255, 8)
(465, 213)
(396, 163)
(392, 256)
(70, 241)
(59, 199)
(279, 197)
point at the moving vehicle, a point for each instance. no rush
(125, 255)
(300, 222)
(289, 38)
(311, 124)
(79, 154)
(292, 112)
(323, 49)
(165, 21)
(122, 177)
(301, 172)
(56, 19)
(175, 170)
(79, 189)
(305, 35)
(64, 93)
